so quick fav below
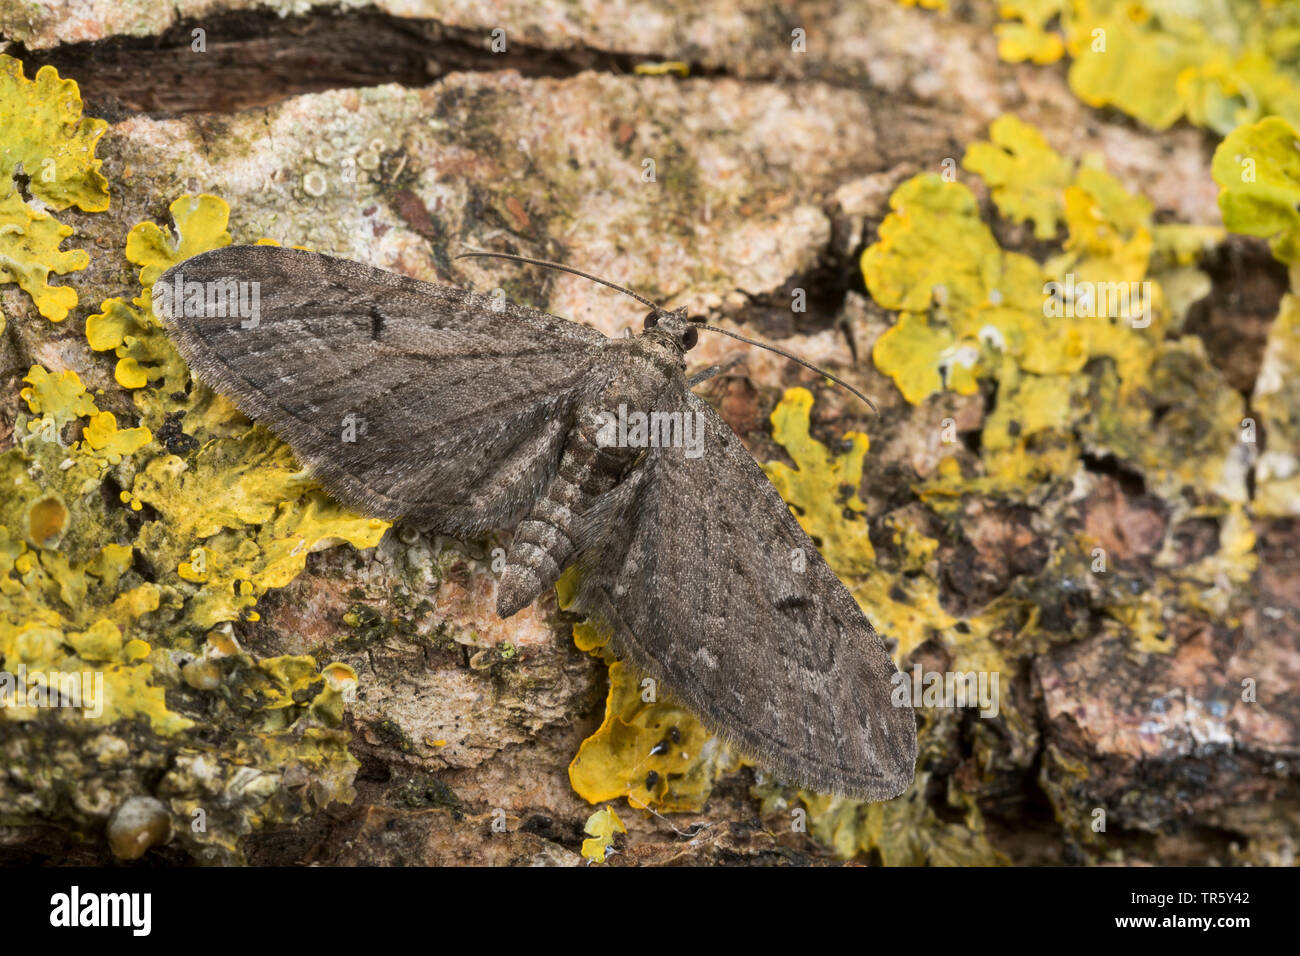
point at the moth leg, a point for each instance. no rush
(557, 525)
(705, 374)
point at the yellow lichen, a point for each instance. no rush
(1258, 172)
(1032, 328)
(964, 300)
(1217, 63)
(102, 435)
(648, 749)
(130, 584)
(663, 68)
(1025, 176)
(601, 827)
(47, 143)
(48, 137)
(200, 225)
(145, 354)
(825, 486)
(57, 399)
(1024, 34)
(1126, 58)
(1103, 299)
(29, 252)
(63, 609)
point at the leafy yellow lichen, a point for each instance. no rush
(825, 486)
(601, 828)
(48, 137)
(923, 356)
(648, 749)
(145, 354)
(1258, 171)
(1125, 57)
(58, 398)
(64, 613)
(200, 225)
(1217, 63)
(1025, 176)
(1024, 35)
(964, 299)
(102, 435)
(1032, 328)
(48, 146)
(29, 252)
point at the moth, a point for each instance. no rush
(466, 413)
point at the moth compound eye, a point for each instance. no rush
(651, 320)
(690, 337)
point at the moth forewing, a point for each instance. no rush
(695, 586)
(464, 407)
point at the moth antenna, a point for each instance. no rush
(793, 358)
(644, 301)
(696, 828)
(562, 268)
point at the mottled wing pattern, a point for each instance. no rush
(457, 411)
(700, 590)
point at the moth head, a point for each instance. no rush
(674, 326)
